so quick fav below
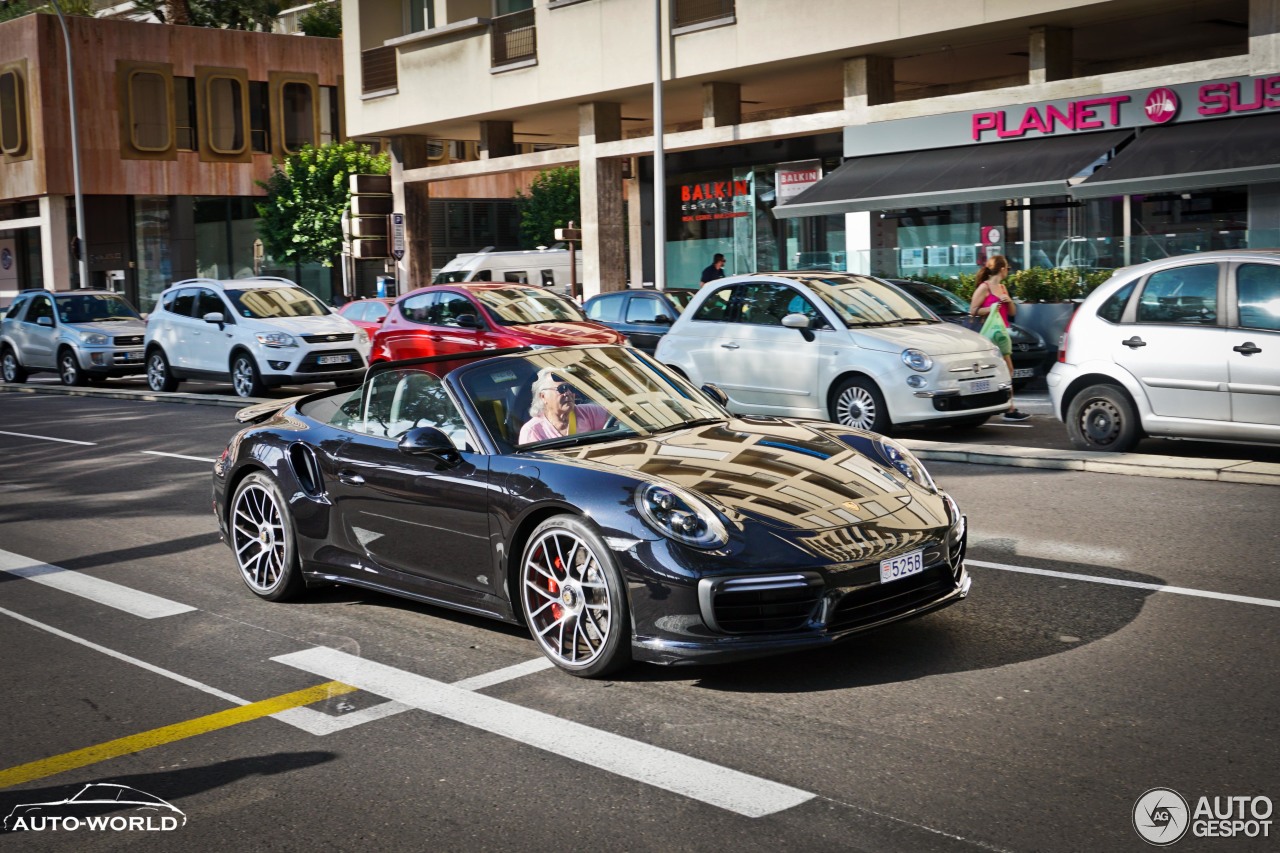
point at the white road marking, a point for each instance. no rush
(1014, 426)
(133, 601)
(178, 456)
(719, 786)
(49, 438)
(1177, 590)
(498, 676)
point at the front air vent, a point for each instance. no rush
(305, 467)
(760, 605)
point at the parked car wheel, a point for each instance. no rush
(11, 368)
(573, 598)
(1101, 417)
(245, 376)
(263, 541)
(159, 376)
(69, 370)
(858, 403)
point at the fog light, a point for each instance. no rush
(278, 365)
(917, 381)
(97, 358)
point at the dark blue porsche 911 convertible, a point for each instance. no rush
(616, 510)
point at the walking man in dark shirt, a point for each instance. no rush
(715, 271)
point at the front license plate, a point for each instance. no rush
(1024, 372)
(977, 386)
(131, 356)
(898, 568)
(334, 359)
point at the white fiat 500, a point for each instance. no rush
(835, 346)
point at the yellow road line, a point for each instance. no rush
(168, 734)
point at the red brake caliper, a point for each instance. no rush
(557, 611)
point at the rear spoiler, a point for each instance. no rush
(261, 411)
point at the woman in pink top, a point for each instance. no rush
(990, 294)
(555, 412)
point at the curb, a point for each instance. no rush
(1131, 464)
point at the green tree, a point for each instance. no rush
(10, 9)
(553, 202)
(301, 217)
(323, 20)
(220, 14)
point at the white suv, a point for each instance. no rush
(259, 332)
(1183, 347)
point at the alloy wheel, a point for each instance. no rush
(68, 369)
(567, 599)
(856, 407)
(258, 539)
(9, 366)
(244, 377)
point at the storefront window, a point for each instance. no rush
(151, 217)
(226, 228)
(1179, 223)
(709, 213)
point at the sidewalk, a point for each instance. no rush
(1132, 464)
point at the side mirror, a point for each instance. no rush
(796, 321)
(44, 321)
(716, 394)
(468, 321)
(215, 317)
(428, 441)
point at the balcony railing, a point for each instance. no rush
(685, 13)
(378, 70)
(514, 38)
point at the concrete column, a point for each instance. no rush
(635, 227)
(497, 139)
(868, 82)
(1264, 36)
(1052, 55)
(414, 269)
(55, 249)
(603, 237)
(721, 105)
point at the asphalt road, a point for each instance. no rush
(1031, 717)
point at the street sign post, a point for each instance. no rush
(397, 235)
(572, 236)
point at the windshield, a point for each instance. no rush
(557, 397)
(94, 307)
(450, 277)
(516, 306)
(940, 300)
(265, 303)
(862, 301)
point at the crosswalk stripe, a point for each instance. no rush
(133, 601)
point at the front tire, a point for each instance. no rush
(245, 377)
(159, 375)
(263, 540)
(69, 370)
(573, 599)
(11, 369)
(1101, 417)
(858, 403)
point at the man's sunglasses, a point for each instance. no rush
(562, 388)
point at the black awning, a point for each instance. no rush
(991, 172)
(1192, 156)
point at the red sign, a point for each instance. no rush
(1085, 114)
(1223, 98)
(1161, 105)
(713, 200)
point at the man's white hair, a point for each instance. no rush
(546, 380)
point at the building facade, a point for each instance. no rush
(894, 137)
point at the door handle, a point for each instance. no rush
(730, 346)
(1247, 348)
(1134, 342)
(351, 478)
(436, 337)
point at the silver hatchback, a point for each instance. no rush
(79, 334)
(1185, 347)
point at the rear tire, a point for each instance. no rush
(245, 377)
(11, 370)
(159, 374)
(858, 403)
(1101, 417)
(69, 370)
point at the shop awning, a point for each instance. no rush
(1197, 155)
(991, 172)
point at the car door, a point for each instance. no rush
(764, 367)
(39, 333)
(1254, 345)
(182, 341)
(448, 333)
(210, 343)
(1174, 342)
(420, 517)
(646, 319)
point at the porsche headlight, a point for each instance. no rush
(916, 359)
(905, 463)
(679, 515)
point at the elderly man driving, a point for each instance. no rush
(555, 411)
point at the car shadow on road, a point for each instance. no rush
(1009, 618)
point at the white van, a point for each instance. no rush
(545, 267)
